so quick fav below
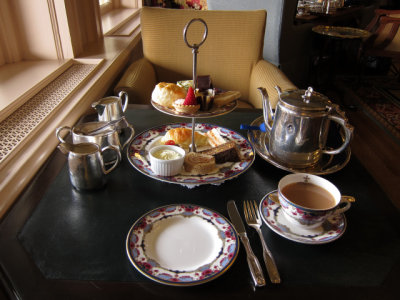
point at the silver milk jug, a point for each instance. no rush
(101, 133)
(86, 166)
(298, 129)
(111, 108)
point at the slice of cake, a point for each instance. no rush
(199, 164)
(214, 138)
(224, 153)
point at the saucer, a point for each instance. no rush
(328, 164)
(272, 214)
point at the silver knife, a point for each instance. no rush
(252, 261)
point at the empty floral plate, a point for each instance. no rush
(182, 245)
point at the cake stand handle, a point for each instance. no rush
(195, 50)
(195, 47)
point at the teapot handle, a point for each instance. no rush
(106, 171)
(124, 100)
(58, 131)
(130, 137)
(348, 132)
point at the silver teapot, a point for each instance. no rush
(298, 129)
(111, 108)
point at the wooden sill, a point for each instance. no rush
(17, 80)
(18, 168)
(113, 20)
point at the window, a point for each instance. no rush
(53, 62)
(115, 14)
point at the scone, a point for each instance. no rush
(183, 137)
(199, 164)
(165, 94)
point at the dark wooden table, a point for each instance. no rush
(57, 243)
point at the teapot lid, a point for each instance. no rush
(305, 100)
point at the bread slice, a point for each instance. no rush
(224, 153)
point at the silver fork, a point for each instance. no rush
(253, 220)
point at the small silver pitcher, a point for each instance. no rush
(101, 133)
(86, 166)
(111, 108)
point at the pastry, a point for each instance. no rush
(199, 164)
(204, 82)
(185, 84)
(188, 105)
(183, 137)
(226, 97)
(224, 153)
(214, 138)
(166, 93)
(205, 99)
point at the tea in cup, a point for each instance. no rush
(308, 200)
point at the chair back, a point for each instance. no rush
(385, 38)
(233, 46)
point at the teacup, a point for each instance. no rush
(308, 200)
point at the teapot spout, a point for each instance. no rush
(99, 107)
(267, 109)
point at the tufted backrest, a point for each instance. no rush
(233, 47)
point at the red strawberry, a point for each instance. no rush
(190, 97)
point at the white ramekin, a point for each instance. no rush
(163, 167)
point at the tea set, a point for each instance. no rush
(293, 137)
(96, 146)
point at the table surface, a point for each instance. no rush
(58, 243)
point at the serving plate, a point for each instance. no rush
(342, 32)
(139, 148)
(327, 165)
(213, 112)
(182, 245)
(274, 217)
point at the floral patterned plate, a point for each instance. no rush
(182, 245)
(273, 216)
(140, 145)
